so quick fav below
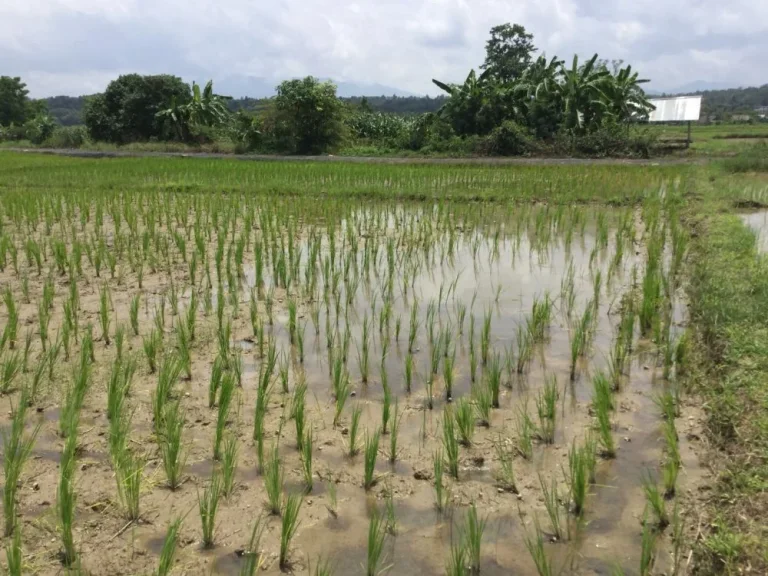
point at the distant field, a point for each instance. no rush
(716, 139)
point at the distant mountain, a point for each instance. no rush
(239, 86)
(691, 88)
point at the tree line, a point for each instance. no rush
(515, 103)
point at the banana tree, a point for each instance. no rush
(581, 91)
(625, 97)
(204, 109)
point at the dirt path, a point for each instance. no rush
(517, 161)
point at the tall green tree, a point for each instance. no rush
(127, 110)
(308, 116)
(13, 101)
(508, 52)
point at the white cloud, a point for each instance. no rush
(76, 46)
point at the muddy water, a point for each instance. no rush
(505, 277)
(758, 221)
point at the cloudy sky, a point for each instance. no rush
(77, 46)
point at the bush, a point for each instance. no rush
(376, 126)
(68, 137)
(40, 128)
(246, 132)
(13, 133)
(610, 139)
(753, 159)
(509, 139)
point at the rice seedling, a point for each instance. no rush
(482, 399)
(450, 442)
(441, 496)
(229, 458)
(168, 551)
(252, 556)
(493, 372)
(505, 475)
(133, 314)
(389, 508)
(386, 404)
(171, 446)
(14, 554)
(552, 504)
(546, 407)
(655, 501)
(408, 374)
(666, 403)
(393, 434)
(10, 368)
(129, 472)
(306, 460)
(485, 337)
(457, 560)
(376, 537)
(370, 452)
(352, 443)
(577, 478)
(473, 536)
(152, 345)
(363, 350)
(69, 416)
(672, 442)
(167, 377)
(273, 482)
(283, 369)
(217, 373)
(342, 389)
(602, 396)
(16, 448)
(289, 526)
(524, 348)
(104, 305)
(12, 322)
(465, 421)
(647, 549)
(535, 546)
(605, 431)
(208, 506)
(298, 404)
(66, 496)
(226, 396)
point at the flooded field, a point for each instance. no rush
(228, 385)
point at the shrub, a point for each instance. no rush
(509, 139)
(68, 137)
(610, 139)
(39, 128)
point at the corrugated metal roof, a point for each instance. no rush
(677, 109)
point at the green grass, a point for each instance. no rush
(729, 300)
(611, 184)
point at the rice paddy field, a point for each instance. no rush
(217, 367)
